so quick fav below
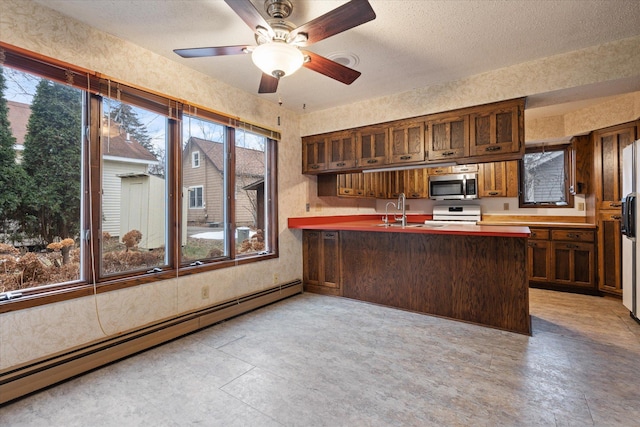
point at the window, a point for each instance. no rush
(90, 176)
(544, 178)
(40, 182)
(195, 197)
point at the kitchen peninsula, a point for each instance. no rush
(472, 273)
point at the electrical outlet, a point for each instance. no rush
(275, 278)
(407, 207)
(506, 206)
(204, 292)
(307, 207)
(581, 206)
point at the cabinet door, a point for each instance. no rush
(378, 184)
(608, 145)
(539, 260)
(396, 184)
(371, 147)
(495, 132)
(447, 137)
(580, 164)
(406, 142)
(351, 185)
(416, 183)
(311, 260)
(498, 179)
(331, 259)
(342, 151)
(573, 263)
(609, 252)
(314, 155)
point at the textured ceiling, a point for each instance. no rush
(410, 44)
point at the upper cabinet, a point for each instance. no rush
(314, 154)
(447, 137)
(580, 164)
(496, 131)
(342, 150)
(488, 133)
(371, 147)
(608, 145)
(406, 142)
(498, 179)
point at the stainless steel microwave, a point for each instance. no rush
(461, 186)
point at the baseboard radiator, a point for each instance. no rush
(33, 377)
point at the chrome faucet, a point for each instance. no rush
(402, 201)
(385, 218)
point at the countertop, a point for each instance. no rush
(415, 224)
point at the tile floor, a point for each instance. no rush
(322, 361)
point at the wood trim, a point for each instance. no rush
(18, 382)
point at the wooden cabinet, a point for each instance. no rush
(416, 183)
(498, 179)
(396, 184)
(406, 142)
(580, 165)
(351, 185)
(609, 251)
(371, 147)
(444, 170)
(321, 261)
(608, 145)
(447, 137)
(562, 258)
(342, 150)
(539, 255)
(496, 131)
(314, 154)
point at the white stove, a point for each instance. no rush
(465, 214)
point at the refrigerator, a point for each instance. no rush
(630, 221)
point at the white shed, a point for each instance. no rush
(142, 208)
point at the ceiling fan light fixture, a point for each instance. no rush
(277, 59)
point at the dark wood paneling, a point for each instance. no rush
(476, 279)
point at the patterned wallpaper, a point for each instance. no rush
(31, 334)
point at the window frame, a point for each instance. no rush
(566, 181)
(96, 85)
(193, 188)
(195, 159)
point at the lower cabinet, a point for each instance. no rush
(610, 251)
(562, 258)
(321, 262)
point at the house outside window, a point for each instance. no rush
(544, 178)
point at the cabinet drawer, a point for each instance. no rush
(573, 235)
(539, 234)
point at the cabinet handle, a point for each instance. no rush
(532, 245)
(405, 158)
(360, 193)
(372, 161)
(439, 170)
(616, 216)
(493, 193)
(463, 169)
(347, 191)
(534, 234)
(448, 153)
(493, 148)
(571, 246)
(573, 235)
(329, 235)
(415, 195)
(615, 205)
(340, 164)
(314, 167)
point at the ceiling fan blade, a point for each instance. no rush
(268, 84)
(347, 16)
(330, 68)
(199, 52)
(250, 15)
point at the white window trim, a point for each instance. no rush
(194, 188)
(195, 159)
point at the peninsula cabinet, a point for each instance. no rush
(562, 259)
(371, 147)
(609, 251)
(447, 137)
(342, 150)
(496, 131)
(321, 258)
(314, 154)
(608, 145)
(406, 142)
(498, 179)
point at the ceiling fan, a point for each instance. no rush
(278, 52)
